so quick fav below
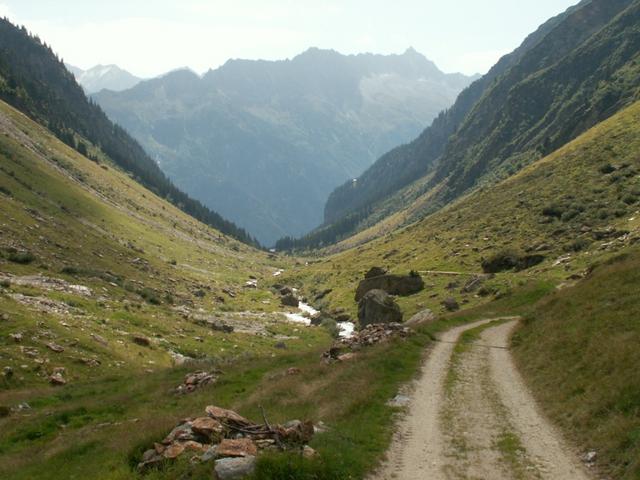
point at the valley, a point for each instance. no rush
(467, 310)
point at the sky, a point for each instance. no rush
(151, 38)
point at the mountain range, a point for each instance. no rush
(521, 110)
(103, 77)
(264, 142)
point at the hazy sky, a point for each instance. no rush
(152, 37)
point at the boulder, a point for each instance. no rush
(234, 468)
(290, 300)
(377, 306)
(375, 272)
(392, 284)
(450, 304)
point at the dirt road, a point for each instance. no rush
(472, 417)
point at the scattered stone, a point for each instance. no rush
(399, 401)
(450, 304)
(475, 283)
(142, 341)
(99, 339)
(229, 292)
(234, 468)
(16, 337)
(195, 380)
(392, 284)
(590, 457)
(55, 347)
(57, 379)
(377, 306)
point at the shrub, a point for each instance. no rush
(554, 211)
(23, 258)
(501, 261)
(607, 169)
(510, 260)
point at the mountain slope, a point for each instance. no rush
(520, 111)
(571, 207)
(104, 77)
(265, 142)
(33, 80)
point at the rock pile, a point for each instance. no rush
(231, 440)
(344, 349)
(196, 380)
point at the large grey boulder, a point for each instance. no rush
(392, 284)
(234, 468)
(377, 306)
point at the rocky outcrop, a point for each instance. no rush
(377, 306)
(346, 348)
(392, 284)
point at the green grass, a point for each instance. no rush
(578, 349)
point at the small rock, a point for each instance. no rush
(241, 447)
(308, 452)
(590, 457)
(399, 401)
(7, 372)
(210, 454)
(173, 451)
(234, 468)
(345, 357)
(142, 341)
(293, 371)
(55, 347)
(16, 337)
(208, 427)
(99, 339)
(57, 379)
(451, 304)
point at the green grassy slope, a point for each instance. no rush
(578, 349)
(151, 269)
(572, 207)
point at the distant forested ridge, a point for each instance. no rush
(35, 81)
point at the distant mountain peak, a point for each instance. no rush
(104, 77)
